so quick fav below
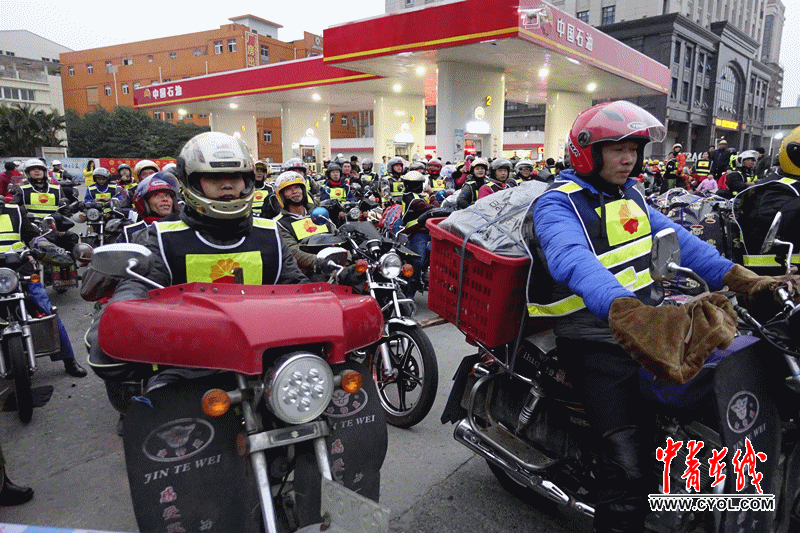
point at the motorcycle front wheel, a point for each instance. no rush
(22, 378)
(408, 396)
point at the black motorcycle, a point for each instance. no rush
(27, 332)
(404, 363)
(105, 221)
(515, 406)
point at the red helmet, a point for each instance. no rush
(610, 122)
(161, 181)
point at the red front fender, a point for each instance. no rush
(228, 327)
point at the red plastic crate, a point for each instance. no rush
(492, 288)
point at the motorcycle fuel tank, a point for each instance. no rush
(228, 327)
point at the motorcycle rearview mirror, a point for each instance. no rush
(124, 259)
(320, 216)
(772, 239)
(665, 259)
(332, 260)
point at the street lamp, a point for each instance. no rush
(779, 135)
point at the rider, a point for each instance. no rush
(294, 221)
(335, 187)
(262, 188)
(469, 192)
(744, 175)
(367, 177)
(216, 228)
(498, 178)
(102, 190)
(524, 170)
(592, 237)
(296, 164)
(415, 203)
(396, 169)
(59, 173)
(755, 208)
(156, 197)
(144, 168)
(39, 196)
(435, 178)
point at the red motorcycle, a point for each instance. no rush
(254, 419)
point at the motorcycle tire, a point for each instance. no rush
(22, 378)
(418, 374)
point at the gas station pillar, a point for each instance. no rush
(470, 104)
(398, 126)
(306, 132)
(561, 111)
(241, 125)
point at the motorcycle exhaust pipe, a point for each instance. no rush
(3, 369)
(474, 441)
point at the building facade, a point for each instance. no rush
(106, 77)
(30, 72)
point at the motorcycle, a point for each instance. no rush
(403, 363)
(59, 256)
(105, 221)
(246, 427)
(515, 406)
(26, 334)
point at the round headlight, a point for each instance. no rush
(8, 280)
(391, 265)
(93, 215)
(299, 387)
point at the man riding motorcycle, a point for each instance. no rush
(39, 196)
(499, 177)
(524, 170)
(476, 180)
(591, 243)
(262, 188)
(155, 198)
(395, 180)
(415, 203)
(102, 190)
(745, 175)
(296, 164)
(144, 168)
(755, 208)
(335, 187)
(294, 220)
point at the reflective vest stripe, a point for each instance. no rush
(627, 252)
(10, 247)
(766, 260)
(437, 185)
(629, 278)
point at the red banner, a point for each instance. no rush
(251, 51)
(113, 163)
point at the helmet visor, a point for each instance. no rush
(621, 120)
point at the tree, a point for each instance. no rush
(126, 132)
(23, 129)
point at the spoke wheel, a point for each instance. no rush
(22, 378)
(408, 396)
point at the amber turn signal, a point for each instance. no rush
(35, 278)
(361, 266)
(352, 381)
(216, 402)
(408, 270)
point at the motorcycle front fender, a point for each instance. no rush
(453, 410)
(400, 321)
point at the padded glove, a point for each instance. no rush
(757, 293)
(673, 342)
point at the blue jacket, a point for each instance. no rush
(571, 261)
(116, 192)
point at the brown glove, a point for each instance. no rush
(673, 342)
(757, 293)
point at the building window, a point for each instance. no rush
(153, 82)
(71, 71)
(217, 47)
(409, 3)
(136, 85)
(202, 116)
(89, 68)
(12, 54)
(344, 120)
(166, 80)
(267, 136)
(91, 96)
(108, 90)
(190, 115)
(332, 118)
(149, 58)
(264, 53)
(125, 88)
(173, 55)
(607, 15)
(676, 57)
(698, 95)
(168, 115)
(673, 93)
(583, 16)
(728, 90)
(687, 60)
(685, 92)
(231, 45)
(157, 115)
(13, 93)
(198, 52)
(127, 61)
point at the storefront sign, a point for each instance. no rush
(728, 124)
(251, 52)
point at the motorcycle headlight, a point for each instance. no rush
(391, 265)
(93, 215)
(8, 280)
(299, 387)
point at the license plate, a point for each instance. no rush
(379, 285)
(59, 283)
(353, 512)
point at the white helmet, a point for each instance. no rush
(747, 154)
(217, 153)
(56, 162)
(34, 163)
